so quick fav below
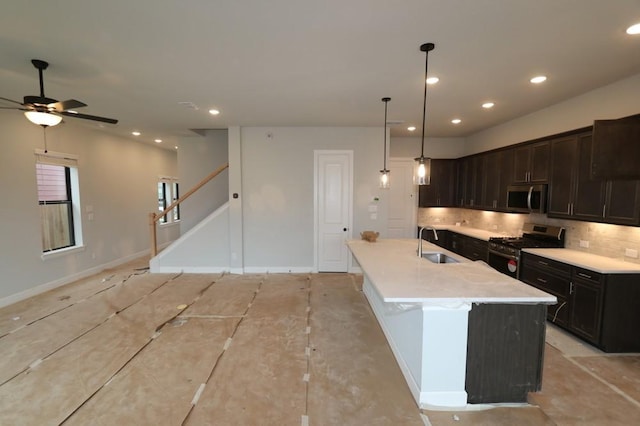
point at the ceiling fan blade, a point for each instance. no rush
(89, 117)
(12, 101)
(66, 105)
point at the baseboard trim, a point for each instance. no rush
(34, 291)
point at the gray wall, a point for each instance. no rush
(278, 188)
(198, 156)
(433, 147)
(118, 178)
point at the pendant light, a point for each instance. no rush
(384, 173)
(423, 171)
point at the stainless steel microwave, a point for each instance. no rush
(527, 198)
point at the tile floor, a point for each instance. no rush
(129, 347)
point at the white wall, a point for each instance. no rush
(433, 147)
(118, 178)
(277, 186)
(616, 100)
(198, 156)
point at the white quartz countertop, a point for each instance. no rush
(399, 275)
(479, 234)
(593, 262)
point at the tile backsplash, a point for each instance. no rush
(601, 239)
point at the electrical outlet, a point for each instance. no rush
(584, 243)
(631, 253)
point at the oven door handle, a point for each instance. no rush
(506, 256)
(529, 197)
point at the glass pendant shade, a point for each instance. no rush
(43, 118)
(423, 171)
(384, 179)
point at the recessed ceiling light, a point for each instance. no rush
(456, 121)
(488, 105)
(634, 29)
(538, 79)
(176, 147)
(411, 128)
(135, 133)
(157, 140)
(432, 80)
(214, 112)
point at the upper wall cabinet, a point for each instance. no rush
(441, 192)
(531, 163)
(573, 195)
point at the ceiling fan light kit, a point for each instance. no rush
(47, 112)
(44, 119)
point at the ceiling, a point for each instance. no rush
(313, 63)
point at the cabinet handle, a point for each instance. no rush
(580, 274)
(604, 211)
(571, 287)
(568, 208)
(571, 209)
(542, 280)
(543, 263)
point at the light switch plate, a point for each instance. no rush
(584, 244)
(631, 253)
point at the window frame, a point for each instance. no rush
(170, 193)
(70, 162)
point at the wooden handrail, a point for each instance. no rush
(155, 217)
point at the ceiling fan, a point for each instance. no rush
(46, 111)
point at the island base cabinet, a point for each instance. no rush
(505, 352)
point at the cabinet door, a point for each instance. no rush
(539, 168)
(521, 161)
(506, 176)
(492, 180)
(479, 180)
(447, 189)
(564, 154)
(623, 202)
(461, 193)
(586, 309)
(589, 198)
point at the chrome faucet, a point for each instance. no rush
(422, 228)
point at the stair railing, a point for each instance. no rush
(155, 217)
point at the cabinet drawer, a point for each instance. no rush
(545, 264)
(587, 276)
(543, 280)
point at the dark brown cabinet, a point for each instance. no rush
(471, 176)
(441, 191)
(573, 195)
(600, 308)
(531, 163)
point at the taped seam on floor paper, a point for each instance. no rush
(109, 382)
(308, 308)
(307, 351)
(196, 397)
(305, 378)
(305, 420)
(35, 363)
(227, 344)
(308, 330)
(156, 334)
(17, 329)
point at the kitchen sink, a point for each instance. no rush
(439, 257)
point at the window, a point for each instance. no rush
(58, 200)
(168, 193)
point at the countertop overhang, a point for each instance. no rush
(400, 276)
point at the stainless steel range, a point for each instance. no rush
(504, 253)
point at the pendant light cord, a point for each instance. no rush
(424, 107)
(386, 102)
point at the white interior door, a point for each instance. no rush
(403, 200)
(334, 184)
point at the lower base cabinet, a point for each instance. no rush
(600, 308)
(469, 247)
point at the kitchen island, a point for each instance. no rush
(460, 332)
